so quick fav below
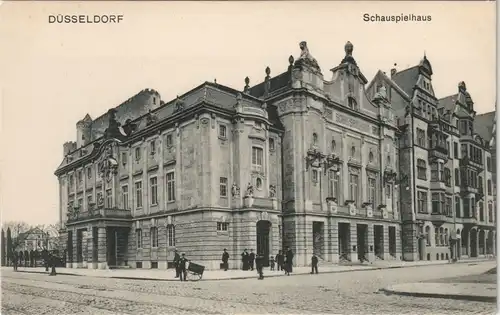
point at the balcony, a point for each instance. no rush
(438, 152)
(469, 221)
(102, 213)
(466, 162)
(438, 218)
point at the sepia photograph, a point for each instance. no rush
(248, 157)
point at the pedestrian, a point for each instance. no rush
(259, 262)
(15, 260)
(251, 259)
(45, 256)
(244, 260)
(280, 260)
(182, 267)
(225, 259)
(314, 264)
(288, 261)
(52, 262)
(272, 262)
(176, 263)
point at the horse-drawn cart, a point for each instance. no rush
(195, 271)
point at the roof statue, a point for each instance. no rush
(305, 57)
(348, 48)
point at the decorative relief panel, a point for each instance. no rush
(351, 122)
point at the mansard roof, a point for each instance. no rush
(407, 79)
(484, 125)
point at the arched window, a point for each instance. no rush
(441, 236)
(457, 177)
(315, 139)
(353, 151)
(334, 145)
(370, 157)
(428, 235)
(446, 237)
(436, 237)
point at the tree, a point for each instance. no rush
(9, 246)
(3, 248)
(17, 229)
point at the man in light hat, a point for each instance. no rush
(182, 267)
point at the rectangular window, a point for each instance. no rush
(222, 131)
(169, 141)
(489, 187)
(222, 226)
(421, 137)
(170, 178)
(466, 208)
(124, 158)
(436, 203)
(315, 176)
(137, 154)
(80, 177)
(334, 184)
(421, 169)
(109, 198)
(434, 172)
(490, 213)
(488, 163)
(223, 186)
(138, 236)
(152, 147)
(455, 150)
(422, 202)
(353, 188)
(171, 235)
(271, 144)
(449, 203)
(257, 156)
(125, 197)
(372, 183)
(138, 195)
(89, 172)
(154, 236)
(457, 207)
(153, 188)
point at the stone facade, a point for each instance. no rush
(449, 180)
(295, 161)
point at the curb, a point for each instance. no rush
(363, 268)
(475, 298)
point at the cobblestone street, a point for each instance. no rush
(341, 293)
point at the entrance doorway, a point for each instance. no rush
(473, 243)
(318, 240)
(465, 250)
(263, 240)
(378, 237)
(111, 246)
(79, 246)
(344, 236)
(482, 243)
(362, 240)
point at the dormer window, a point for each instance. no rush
(351, 102)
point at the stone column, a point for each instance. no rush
(102, 262)
(90, 246)
(468, 243)
(494, 243)
(477, 243)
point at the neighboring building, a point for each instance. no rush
(204, 172)
(446, 210)
(35, 239)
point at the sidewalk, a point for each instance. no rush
(169, 274)
(483, 292)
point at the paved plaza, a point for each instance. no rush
(353, 292)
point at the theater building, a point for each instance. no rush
(447, 198)
(295, 161)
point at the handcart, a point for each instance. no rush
(195, 271)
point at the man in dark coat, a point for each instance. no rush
(176, 263)
(52, 263)
(259, 262)
(251, 259)
(45, 257)
(289, 261)
(182, 267)
(280, 260)
(15, 260)
(244, 259)
(314, 264)
(225, 259)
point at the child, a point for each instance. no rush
(272, 263)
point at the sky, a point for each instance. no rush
(51, 75)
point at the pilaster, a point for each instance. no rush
(102, 248)
(353, 242)
(371, 243)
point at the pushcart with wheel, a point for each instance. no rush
(195, 271)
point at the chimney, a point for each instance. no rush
(393, 70)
